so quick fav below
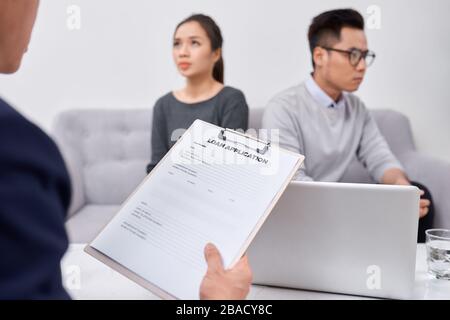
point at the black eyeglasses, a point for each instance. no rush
(355, 55)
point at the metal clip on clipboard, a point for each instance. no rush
(258, 150)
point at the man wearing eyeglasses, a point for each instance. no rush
(323, 120)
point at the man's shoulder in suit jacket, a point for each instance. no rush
(34, 198)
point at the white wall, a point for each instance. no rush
(121, 56)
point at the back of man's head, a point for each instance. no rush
(325, 29)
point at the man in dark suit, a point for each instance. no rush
(34, 197)
(34, 184)
(35, 193)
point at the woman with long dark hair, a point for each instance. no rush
(197, 53)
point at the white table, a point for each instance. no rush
(86, 278)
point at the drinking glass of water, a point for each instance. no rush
(438, 253)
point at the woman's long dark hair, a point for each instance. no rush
(215, 37)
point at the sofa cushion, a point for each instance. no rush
(89, 221)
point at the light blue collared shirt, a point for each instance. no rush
(321, 97)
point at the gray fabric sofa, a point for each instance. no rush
(106, 152)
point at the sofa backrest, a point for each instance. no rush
(107, 150)
(396, 129)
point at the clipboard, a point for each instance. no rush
(225, 135)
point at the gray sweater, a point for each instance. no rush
(329, 135)
(172, 117)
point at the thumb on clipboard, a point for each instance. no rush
(221, 284)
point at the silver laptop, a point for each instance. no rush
(356, 239)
